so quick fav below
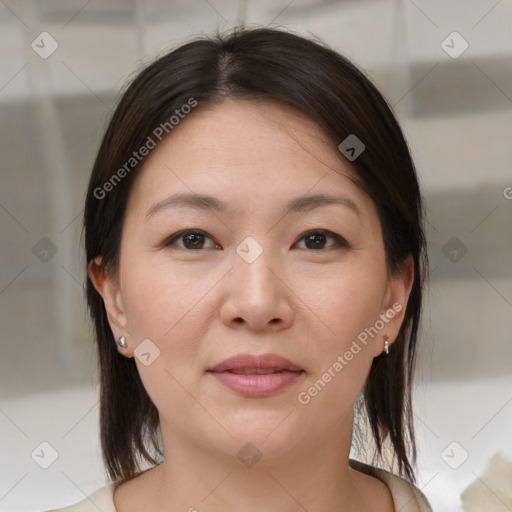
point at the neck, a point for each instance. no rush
(312, 478)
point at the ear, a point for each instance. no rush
(395, 304)
(108, 287)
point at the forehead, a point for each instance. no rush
(244, 149)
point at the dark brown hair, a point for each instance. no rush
(327, 88)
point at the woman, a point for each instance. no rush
(253, 230)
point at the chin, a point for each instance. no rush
(268, 438)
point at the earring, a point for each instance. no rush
(386, 345)
(121, 343)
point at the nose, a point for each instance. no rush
(257, 297)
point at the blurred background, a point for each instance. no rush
(445, 66)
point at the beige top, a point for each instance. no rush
(406, 497)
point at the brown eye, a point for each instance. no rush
(191, 240)
(317, 240)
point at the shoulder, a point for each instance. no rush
(102, 499)
(406, 496)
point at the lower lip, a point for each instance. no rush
(258, 385)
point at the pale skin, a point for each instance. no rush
(202, 305)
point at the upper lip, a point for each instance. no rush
(248, 361)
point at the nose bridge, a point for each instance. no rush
(254, 276)
(257, 294)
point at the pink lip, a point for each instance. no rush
(257, 384)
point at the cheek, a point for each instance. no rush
(163, 298)
(343, 303)
(344, 307)
(173, 309)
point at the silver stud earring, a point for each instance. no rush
(386, 345)
(121, 342)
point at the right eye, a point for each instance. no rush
(192, 239)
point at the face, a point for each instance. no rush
(285, 256)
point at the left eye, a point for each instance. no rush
(316, 240)
(192, 239)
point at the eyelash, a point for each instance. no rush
(339, 240)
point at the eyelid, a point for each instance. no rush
(169, 241)
(339, 240)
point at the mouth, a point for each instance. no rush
(248, 363)
(256, 371)
(256, 376)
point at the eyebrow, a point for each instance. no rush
(206, 202)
